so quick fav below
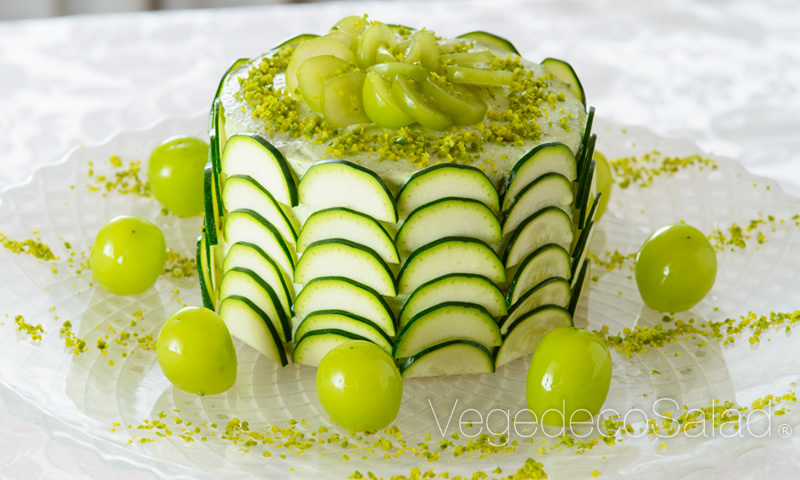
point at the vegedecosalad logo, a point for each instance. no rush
(664, 419)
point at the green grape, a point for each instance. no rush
(195, 351)
(128, 255)
(675, 268)
(460, 102)
(314, 73)
(407, 95)
(604, 182)
(375, 36)
(175, 174)
(569, 377)
(342, 100)
(359, 385)
(379, 104)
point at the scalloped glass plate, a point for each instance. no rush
(87, 399)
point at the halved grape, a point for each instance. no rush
(424, 50)
(195, 351)
(390, 70)
(406, 93)
(128, 255)
(342, 99)
(176, 172)
(675, 268)
(384, 55)
(352, 25)
(478, 76)
(313, 48)
(379, 104)
(375, 36)
(345, 38)
(314, 73)
(460, 102)
(467, 58)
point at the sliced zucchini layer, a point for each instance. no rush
(447, 321)
(526, 333)
(249, 227)
(242, 192)
(450, 255)
(563, 71)
(457, 287)
(327, 258)
(213, 211)
(551, 225)
(251, 155)
(207, 287)
(243, 255)
(491, 40)
(454, 357)
(549, 190)
(339, 293)
(317, 343)
(443, 181)
(342, 320)
(252, 326)
(545, 158)
(546, 262)
(337, 183)
(245, 283)
(553, 291)
(447, 217)
(339, 222)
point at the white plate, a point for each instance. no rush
(82, 397)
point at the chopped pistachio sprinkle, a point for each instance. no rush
(33, 331)
(529, 99)
(126, 179)
(32, 246)
(641, 171)
(178, 266)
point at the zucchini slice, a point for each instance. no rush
(296, 40)
(447, 321)
(443, 181)
(553, 291)
(316, 344)
(587, 133)
(527, 331)
(447, 217)
(242, 192)
(547, 261)
(251, 155)
(252, 326)
(207, 290)
(578, 286)
(342, 320)
(216, 120)
(491, 40)
(581, 249)
(339, 293)
(552, 157)
(337, 183)
(564, 72)
(212, 204)
(455, 357)
(246, 283)
(250, 227)
(586, 184)
(549, 190)
(449, 255)
(551, 225)
(340, 222)
(457, 287)
(252, 257)
(337, 256)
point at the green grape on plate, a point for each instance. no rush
(569, 377)
(675, 268)
(359, 386)
(195, 351)
(128, 255)
(175, 173)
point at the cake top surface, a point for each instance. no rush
(526, 107)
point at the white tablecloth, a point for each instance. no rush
(725, 74)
